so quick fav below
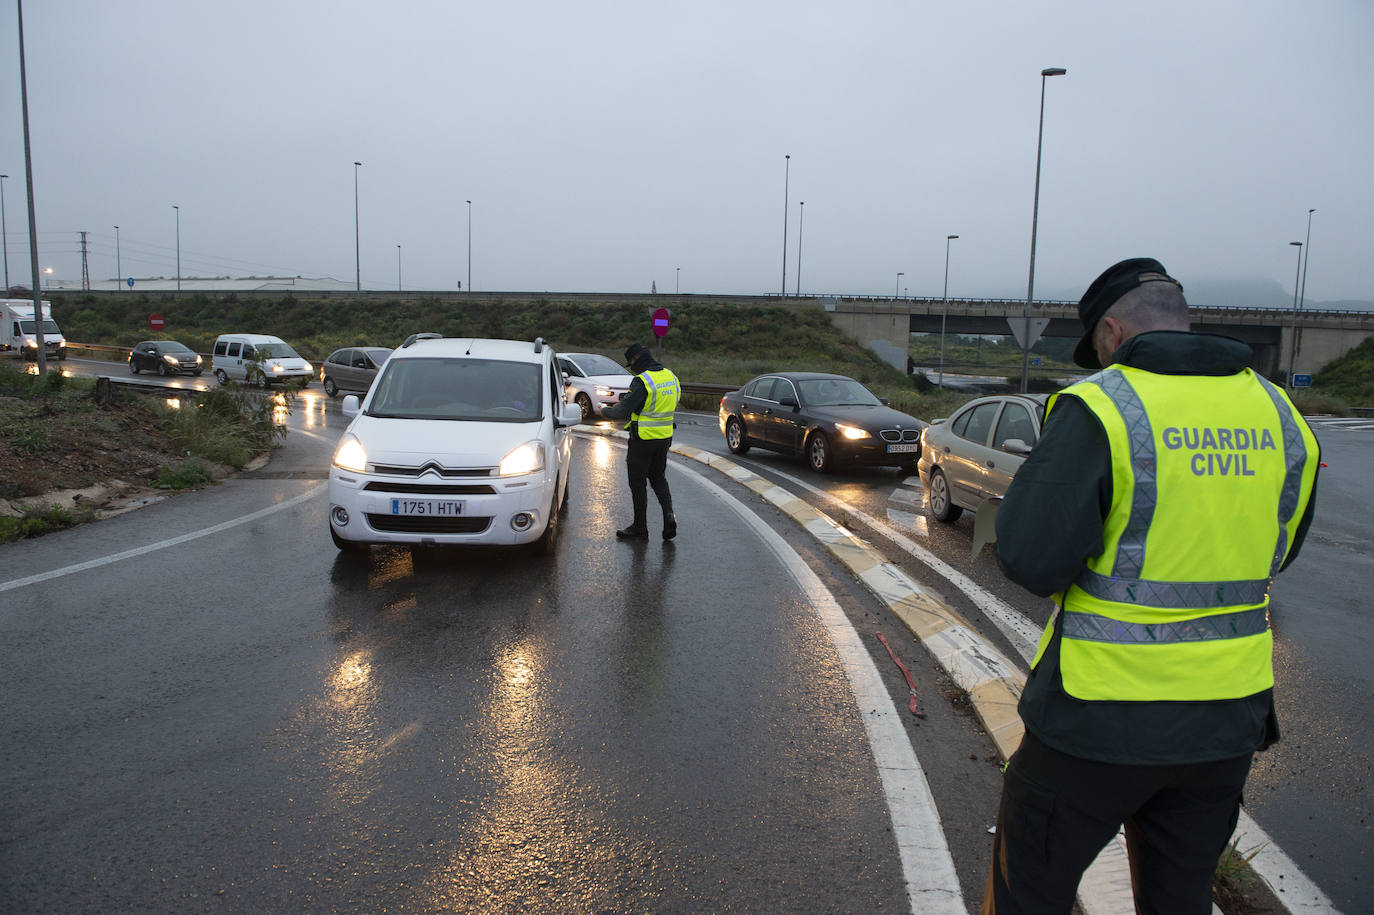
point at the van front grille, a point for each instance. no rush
(414, 524)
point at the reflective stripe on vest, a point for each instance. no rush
(655, 419)
(1124, 585)
(1139, 623)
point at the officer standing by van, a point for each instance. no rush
(649, 406)
(1164, 495)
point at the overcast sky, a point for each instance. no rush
(605, 145)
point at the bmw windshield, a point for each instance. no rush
(482, 390)
(836, 392)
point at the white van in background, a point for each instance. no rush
(258, 359)
(18, 334)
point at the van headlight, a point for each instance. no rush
(527, 458)
(350, 455)
(853, 433)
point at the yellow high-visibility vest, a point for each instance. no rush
(655, 419)
(1211, 476)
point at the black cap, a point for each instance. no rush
(633, 352)
(1105, 291)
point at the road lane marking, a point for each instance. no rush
(927, 865)
(160, 545)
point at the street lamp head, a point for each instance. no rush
(357, 163)
(1298, 243)
(947, 237)
(1053, 71)
(468, 202)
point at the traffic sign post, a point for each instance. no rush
(157, 322)
(1302, 381)
(660, 318)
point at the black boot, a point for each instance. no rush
(669, 527)
(633, 532)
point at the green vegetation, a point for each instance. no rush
(228, 425)
(41, 521)
(184, 475)
(1349, 379)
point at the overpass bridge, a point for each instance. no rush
(1322, 336)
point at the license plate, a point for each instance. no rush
(442, 508)
(904, 448)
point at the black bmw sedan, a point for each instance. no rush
(827, 419)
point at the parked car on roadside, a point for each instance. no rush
(827, 419)
(457, 442)
(594, 381)
(352, 368)
(166, 357)
(972, 456)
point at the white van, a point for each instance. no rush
(457, 442)
(18, 334)
(259, 359)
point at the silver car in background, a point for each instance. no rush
(973, 455)
(352, 368)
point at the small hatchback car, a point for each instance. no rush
(166, 357)
(594, 381)
(459, 441)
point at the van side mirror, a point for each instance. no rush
(350, 406)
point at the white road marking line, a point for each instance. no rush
(911, 521)
(927, 865)
(160, 545)
(903, 496)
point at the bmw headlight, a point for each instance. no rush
(350, 455)
(527, 458)
(853, 433)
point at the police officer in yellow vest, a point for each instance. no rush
(1164, 495)
(649, 407)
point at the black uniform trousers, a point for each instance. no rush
(1058, 811)
(646, 463)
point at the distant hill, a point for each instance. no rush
(1235, 292)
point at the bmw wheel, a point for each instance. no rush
(735, 439)
(942, 507)
(818, 453)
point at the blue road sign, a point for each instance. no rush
(1302, 381)
(131, 282)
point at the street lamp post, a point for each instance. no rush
(398, 268)
(119, 271)
(786, 174)
(897, 293)
(1035, 215)
(1293, 332)
(178, 209)
(357, 237)
(944, 310)
(677, 280)
(801, 217)
(5, 232)
(469, 246)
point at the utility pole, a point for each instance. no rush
(85, 269)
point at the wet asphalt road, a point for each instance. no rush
(252, 722)
(482, 731)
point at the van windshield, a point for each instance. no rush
(483, 390)
(49, 328)
(276, 351)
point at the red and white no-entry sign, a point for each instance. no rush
(157, 322)
(660, 319)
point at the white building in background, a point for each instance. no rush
(208, 284)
